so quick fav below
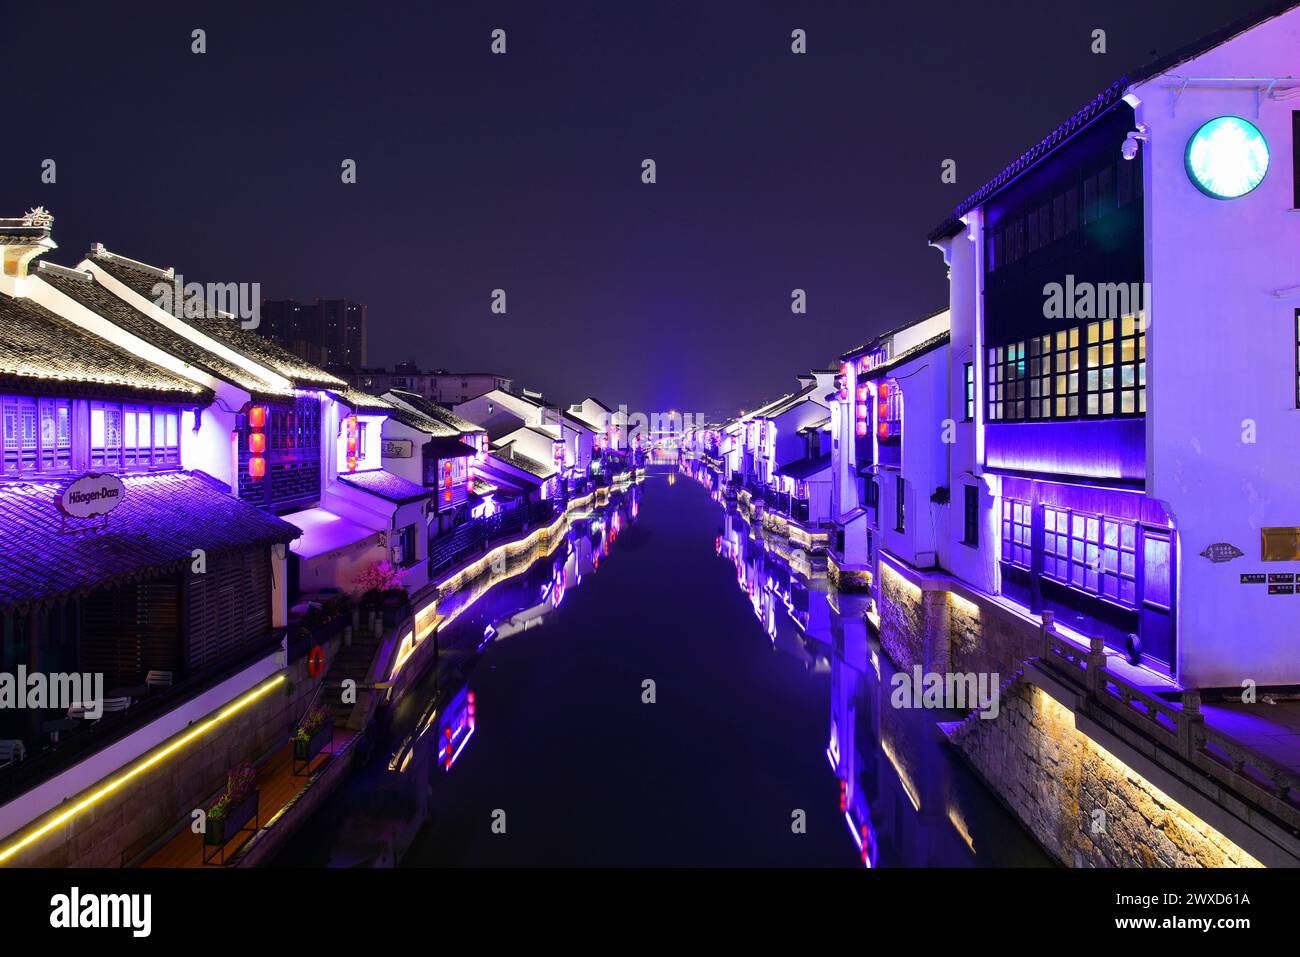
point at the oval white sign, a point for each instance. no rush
(96, 493)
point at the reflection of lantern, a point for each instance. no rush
(257, 442)
(257, 417)
(862, 429)
(257, 467)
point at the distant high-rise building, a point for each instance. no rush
(331, 332)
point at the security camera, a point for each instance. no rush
(1130, 148)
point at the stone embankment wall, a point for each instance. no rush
(1082, 805)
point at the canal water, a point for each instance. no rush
(662, 690)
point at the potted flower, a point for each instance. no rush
(236, 806)
(314, 732)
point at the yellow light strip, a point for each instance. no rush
(139, 769)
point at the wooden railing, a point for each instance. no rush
(1179, 728)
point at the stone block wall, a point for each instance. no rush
(913, 623)
(1055, 779)
(985, 638)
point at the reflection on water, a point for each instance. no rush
(905, 797)
(553, 715)
(375, 816)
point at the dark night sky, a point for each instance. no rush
(522, 171)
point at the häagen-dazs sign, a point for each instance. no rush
(96, 493)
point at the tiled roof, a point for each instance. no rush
(818, 425)
(416, 420)
(363, 402)
(784, 405)
(804, 468)
(872, 343)
(161, 520)
(86, 290)
(907, 355)
(433, 410)
(142, 278)
(388, 486)
(520, 461)
(42, 352)
(1100, 104)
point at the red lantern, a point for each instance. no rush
(862, 430)
(354, 443)
(257, 442)
(883, 431)
(257, 417)
(884, 391)
(257, 467)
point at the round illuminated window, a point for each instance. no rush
(1227, 157)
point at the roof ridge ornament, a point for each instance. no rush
(38, 216)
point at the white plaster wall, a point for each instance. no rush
(411, 469)
(1221, 351)
(924, 381)
(964, 466)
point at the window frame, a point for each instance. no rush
(968, 384)
(900, 503)
(971, 516)
(164, 455)
(1016, 516)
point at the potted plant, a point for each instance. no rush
(236, 806)
(314, 732)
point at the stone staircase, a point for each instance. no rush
(353, 663)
